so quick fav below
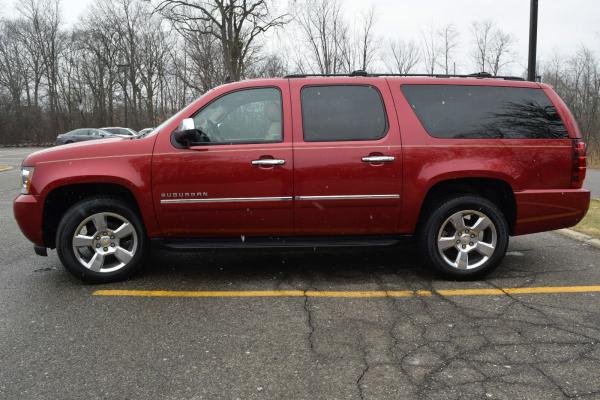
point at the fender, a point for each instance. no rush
(123, 163)
(137, 183)
(420, 177)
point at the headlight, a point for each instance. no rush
(26, 175)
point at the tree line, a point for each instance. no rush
(135, 62)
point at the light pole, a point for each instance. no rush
(533, 20)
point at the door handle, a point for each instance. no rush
(378, 159)
(268, 162)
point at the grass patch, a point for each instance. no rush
(590, 224)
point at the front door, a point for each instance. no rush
(347, 158)
(238, 180)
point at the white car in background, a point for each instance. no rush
(145, 131)
(119, 131)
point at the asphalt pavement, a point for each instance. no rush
(445, 340)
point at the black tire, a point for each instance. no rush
(76, 215)
(438, 215)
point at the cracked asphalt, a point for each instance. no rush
(58, 341)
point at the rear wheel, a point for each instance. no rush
(464, 237)
(101, 240)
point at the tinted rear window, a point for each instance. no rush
(333, 113)
(453, 111)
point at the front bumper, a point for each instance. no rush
(547, 210)
(28, 210)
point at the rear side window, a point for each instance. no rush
(335, 113)
(484, 112)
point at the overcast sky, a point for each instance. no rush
(564, 25)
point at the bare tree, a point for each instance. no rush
(493, 48)
(448, 37)
(500, 53)
(33, 65)
(44, 19)
(155, 45)
(12, 77)
(325, 34)
(235, 23)
(401, 57)
(368, 48)
(482, 38)
(577, 81)
(270, 66)
(430, 50)
(201, 67)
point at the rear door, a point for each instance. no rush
(347, 157)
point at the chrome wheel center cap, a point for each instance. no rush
(467, 239)
(105, 241)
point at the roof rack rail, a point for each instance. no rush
(363, 73)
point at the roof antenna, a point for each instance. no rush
(359, 72)
(481, 74)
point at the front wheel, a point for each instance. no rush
(464, 237)
(101, 240)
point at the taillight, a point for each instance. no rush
(579, 163)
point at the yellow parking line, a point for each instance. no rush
(202, 293)
(5, 168)
(347, 293)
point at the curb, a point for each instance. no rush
(580, 237)
(5, 168)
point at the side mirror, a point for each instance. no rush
(186, 125)
(186, 133)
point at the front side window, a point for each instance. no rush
(485, 112)
(336, 113)
(244, 116)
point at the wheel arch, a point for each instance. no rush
(59, 199)
(496, 190)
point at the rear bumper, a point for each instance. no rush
(547, 210)
(28, 213)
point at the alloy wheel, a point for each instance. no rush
(467, 239)
(105, 242)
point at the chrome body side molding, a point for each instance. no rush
(349, 197)
(225, 200)
(280, 198)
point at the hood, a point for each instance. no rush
(88, 149)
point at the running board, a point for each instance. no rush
(275, 242)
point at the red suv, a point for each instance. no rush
(460, 162)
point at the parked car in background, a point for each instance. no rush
(80, 135)
(116, 130)
(145, 131)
